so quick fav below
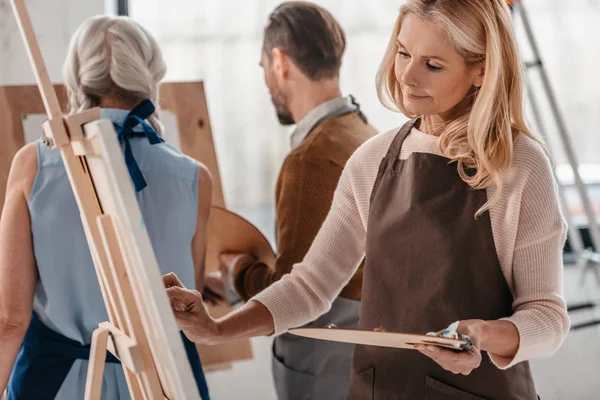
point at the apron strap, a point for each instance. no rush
(394, 150)
(392, 155)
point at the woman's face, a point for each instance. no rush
(433, 77)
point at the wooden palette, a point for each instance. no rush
(231, 233)
(377, 338)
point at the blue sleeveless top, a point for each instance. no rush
(67, 297)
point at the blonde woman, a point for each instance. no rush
(456, 212)
(50, 300)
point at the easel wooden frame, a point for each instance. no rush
(187, 101)
(142, 331)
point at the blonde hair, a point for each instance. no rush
(481, 139)
(113, 56)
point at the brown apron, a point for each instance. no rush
(429, 263)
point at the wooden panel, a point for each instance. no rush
(188, 102)
(15, 102)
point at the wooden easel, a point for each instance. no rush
(142, 331)
(187, 101)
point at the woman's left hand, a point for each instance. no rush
(461, 362)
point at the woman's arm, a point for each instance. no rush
(252, 319)
(498, 337)
(540, 313)
(18, 270)
(199, 240)
(299, 297)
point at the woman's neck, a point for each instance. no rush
(434, 124)
(114, 102)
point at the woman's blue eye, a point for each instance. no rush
(433, 67)
(403, 54)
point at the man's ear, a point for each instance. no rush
(281, 62)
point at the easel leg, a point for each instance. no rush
(93, 385)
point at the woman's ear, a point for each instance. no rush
(479, 72)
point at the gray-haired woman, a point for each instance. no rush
(50, 300)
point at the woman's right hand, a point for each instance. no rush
(191, 314)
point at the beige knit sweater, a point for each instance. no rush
(528, 228)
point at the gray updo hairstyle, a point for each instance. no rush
(113, 56)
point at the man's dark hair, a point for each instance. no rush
(309, 35)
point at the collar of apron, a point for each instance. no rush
(125, 131)
(394, 150)
(332, 109)
(350, 106)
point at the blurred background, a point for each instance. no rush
(219, 42)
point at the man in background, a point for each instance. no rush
(301, 58)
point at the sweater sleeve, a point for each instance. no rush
(540, 313)
(304, 193)
(308, 291)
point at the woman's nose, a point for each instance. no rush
(408, 75)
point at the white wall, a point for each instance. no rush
(568, 35)
(220, 43)
(54, 23)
